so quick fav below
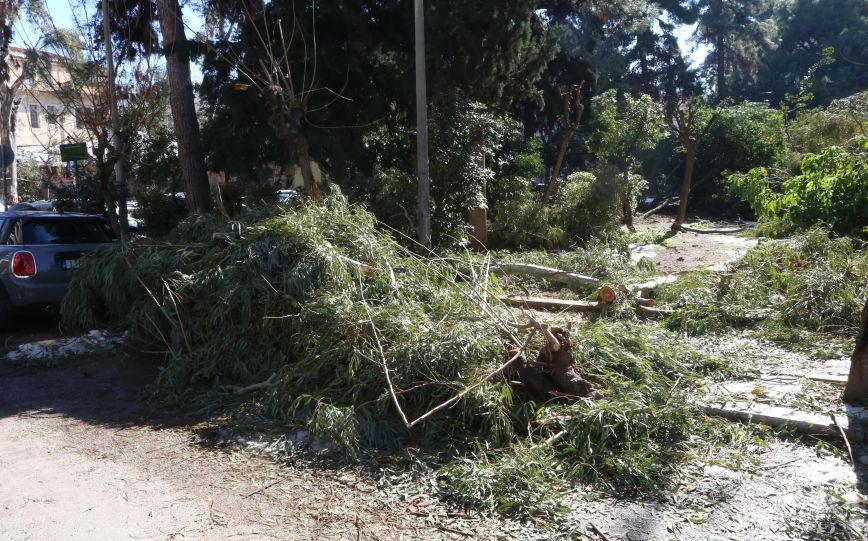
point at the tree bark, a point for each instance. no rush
(856, 391)
(626, 207)
(562, 152)
(183, 106)
(689, 161)
(722, 89)
(8, 106)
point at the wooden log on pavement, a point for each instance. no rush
(543, 303)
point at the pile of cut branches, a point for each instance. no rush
(311, 315)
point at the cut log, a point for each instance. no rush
(543, 303)
(829, 378)
(538, 271)
(712, 231)
(775, 416)
(644, 289)
(649, 311)
(649, 303)
(607, 294)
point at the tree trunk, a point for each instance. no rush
(302, 153)
(553, 181)
(626, 207)
(722, 90)
(856, 391)
(423, 179)
(183, 106)
(7, 106)
(689, 160)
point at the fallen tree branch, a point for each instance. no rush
(542, 303)
(688, 229)
(666, 202)
(262, 385)
(649, 311)
(543, 328)
(548, 273)
(476, 385)
(844, 437)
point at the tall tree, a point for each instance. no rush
(73, 69)
(625, 127)
(689, 121)
(10, 83)
(176, 49)
(737, 31)
(805, 30)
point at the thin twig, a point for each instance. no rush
(385, 365)
(263, 487)
(475, 386)
(844, 436)
(598, 532)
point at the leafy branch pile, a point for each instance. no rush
(811, 281)
(315, 300)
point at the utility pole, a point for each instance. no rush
(422, 174)
(120, 176)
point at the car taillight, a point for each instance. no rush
(23, 265)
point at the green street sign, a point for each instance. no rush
(73, 152)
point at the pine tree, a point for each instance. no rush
(737, 31)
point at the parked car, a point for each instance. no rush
(38, 253)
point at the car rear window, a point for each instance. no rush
(66, 231)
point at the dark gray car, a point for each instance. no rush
(38, 252)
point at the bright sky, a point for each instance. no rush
(61, 11)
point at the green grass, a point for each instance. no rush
(810, 282)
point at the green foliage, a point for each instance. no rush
(805, 29)
(283, 298)
(812, 131)
(745, 136)
(584, 207)
(159, 212)
(82, 196)
(625, 126)
(630, 440)
(832, 191)
(33, 178)
(810, 282)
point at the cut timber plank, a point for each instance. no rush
(544, 303)
(829, 378)
(804, 422)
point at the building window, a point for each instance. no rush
(79, 122)
(51, 116)
(34, 116)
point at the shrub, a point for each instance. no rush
(159, 212)
(811, 282)
(832, 191)
(584, 207)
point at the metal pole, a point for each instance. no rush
(422, 173)
(120, 177)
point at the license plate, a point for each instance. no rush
(69, 264)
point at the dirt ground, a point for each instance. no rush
(687, 252)
(84, 457)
